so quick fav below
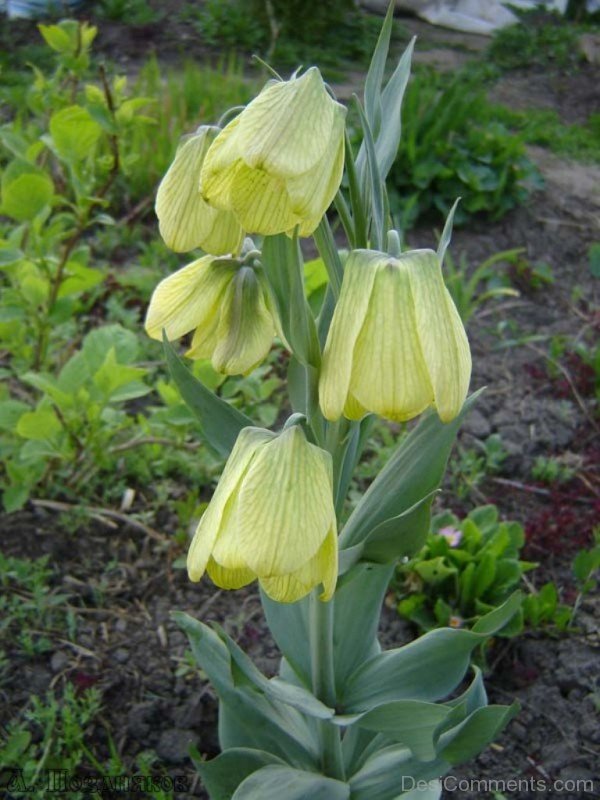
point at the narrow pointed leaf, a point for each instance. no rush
(282, 262)
(447, 232)
(414, 471)
(376, 70)
(388, 137)
(376, 185)
(428, 669)
(221, 422)
(476, 733)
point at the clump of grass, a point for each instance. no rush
(536, 41)
(179, 101)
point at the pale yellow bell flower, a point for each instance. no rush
(279, 163)
(271, 518)
(225, 303)
(396, 343)
(186, 220)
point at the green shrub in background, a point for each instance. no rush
(452, 147)
(536, 41)
(335, 30)
(465, 569)
(181, 100)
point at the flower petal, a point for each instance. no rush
(389, 375)
(186, 220)
(229, 578)
(187, 298)
(286, 129)
(220, 166)
(347, 321)
(285, 505)
(261, 202)
(312, 193)
(246, 329)
(322, 568)
(207, 532)
(442, 335)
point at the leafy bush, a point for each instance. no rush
(451, 147)
(536, 41)
(544, 127)
(465, 569)
(180, 100)
(336, 30)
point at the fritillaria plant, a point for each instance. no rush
(342, 719)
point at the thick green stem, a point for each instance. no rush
(323, 682)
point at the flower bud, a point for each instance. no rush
(396, 344)
(186, 220)
(279, 163)
(227, 306)
(271, 517)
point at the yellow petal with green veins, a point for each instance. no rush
(209, 527)
(229, 578)
(346, 324)
(220, 167)
(312, 193)
(186, 220)
(286, 129)
(322, 568)
(187, 298)
(285, 505)
(261, 202)
(442, 335)
(389, 375)
(246, 330)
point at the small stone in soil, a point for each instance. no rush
(59, 661)
(477, 425)
(174, 744)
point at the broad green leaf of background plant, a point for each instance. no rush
(24, 197)
(74, 132)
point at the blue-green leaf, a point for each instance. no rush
(427, 669)
(412, 474)
(273, 782)
(221, 422)
(223, 774)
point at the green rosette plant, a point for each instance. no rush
(342, 718)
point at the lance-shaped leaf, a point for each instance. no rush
(475, 733)
(376, 71)
(427, 669)
(376, 185)
(431, 791)
(357, 603)
(447, 233)
(247, 717)
(392, 772)
(221, 422)
(413, 723)
(271, 782)
(413, 473)
(222, 775)
(282, 263)
(288, 623)
(276, 689)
